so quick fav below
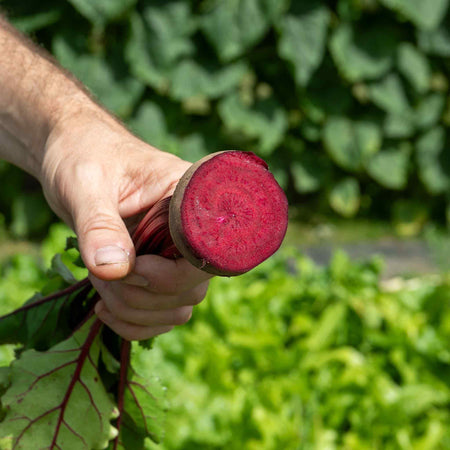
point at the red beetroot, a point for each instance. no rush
(227, 215)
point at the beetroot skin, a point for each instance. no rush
(228, 214)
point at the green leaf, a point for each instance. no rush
(363, 55)
(327, 326)
(159, 38)
(29, 23)
(190, 79)
(389, 94)
(144, 402)
(390, 167)
(309, 172)
(31, 214)
(100, 12)
(77, 414)
(59, 268)
(150, 125)
(435, 42)
(233, 27)
(433, 161)
(303, 39)
(409, 217)
(265, 121)
(349, 142)
(429, 110)
(193, 147)
(424, 14)
(106, 76)
(344, 197)
(397, 126)
(38, 324)
(414, 66)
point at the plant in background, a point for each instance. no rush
(347, 100)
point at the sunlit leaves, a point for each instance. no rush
(265, 121)
(105, 75)
(434, 161)
(233, 27)
(414, 66)
(78, 411)
(362, 55)
(390, 167)
(424, 14)
(99, 12)
(349, 143)
(389, 94)
(191, 79)
(344, 197)
(435, 42)
(303, 39)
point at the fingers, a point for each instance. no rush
(154, 303)
(128, 331)
(166, 276)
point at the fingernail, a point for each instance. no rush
(111, 254)
(135, 280)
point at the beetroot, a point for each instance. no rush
(228, 214)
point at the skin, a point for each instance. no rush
(99, 178)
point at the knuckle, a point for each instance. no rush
(99, 221)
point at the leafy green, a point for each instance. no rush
(233, 27)
(103, 74)
(414, 66)
(389, 94)
(303, 39)
(390, 167)
(350, 143)
(265, 121)
(77, 414)
(345, 197)
(433, 160)
(426, 15)
(194, 77)
(102, 11)
(362, 56)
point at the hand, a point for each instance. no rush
(99, 178)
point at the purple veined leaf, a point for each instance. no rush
(141, 404)
(56, 399)
(44, 321)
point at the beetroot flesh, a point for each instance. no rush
(228, 214)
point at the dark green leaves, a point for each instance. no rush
(363, 55)
(303, 39)
(350, 143)
(390, 167)
(265, 121)
(233, 27)
(426, 15)
(433, 159)
(99, 12)
(104, 74)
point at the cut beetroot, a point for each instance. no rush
(228, 214)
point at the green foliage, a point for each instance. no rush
(289, 356)
(343, 80)
(311, 358)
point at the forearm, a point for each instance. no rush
(35, 94)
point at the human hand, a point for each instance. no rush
(100, 179)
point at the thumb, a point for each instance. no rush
(105, 244)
